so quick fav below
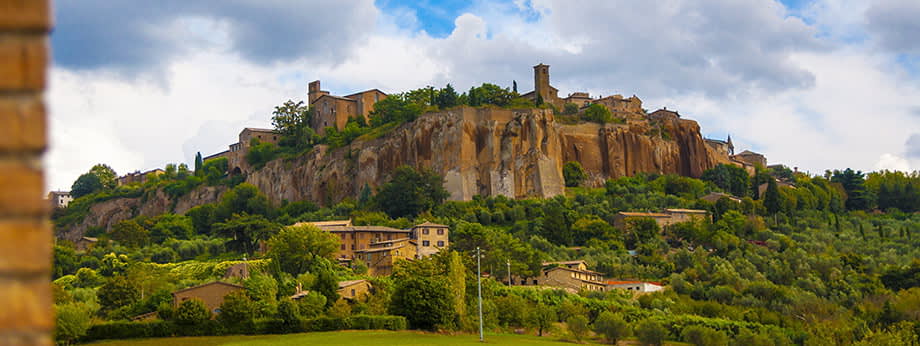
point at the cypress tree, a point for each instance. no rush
(514, 86)
(198, 164)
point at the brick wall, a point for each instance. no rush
(26, 316)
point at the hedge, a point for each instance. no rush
(160, 328)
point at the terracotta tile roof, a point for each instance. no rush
(381, 249)
(563, 262)
(343, 284)
(209, 284)
(642, 214)
(687, 211)
(366, 91)
(431, 224)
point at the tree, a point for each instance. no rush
(858, 198)
(731, 178)
(243, 198)
(651, 332)
(410, 192)
(107, 176)
(514, 86)
(395, 109)
(72, 322)
(541, 317)
(245, 231)
(578, 327)
(297, 249)
(327, 284)
(192, 312)
(292, 121)
(198, 164)
(703, 336)
(771, 198)
(611, 326)
(130, 233)
(597, 113)
(117, 292)
(424, 301)
(447, 97)
(289, 314)
(86, 184)
(573, 173)
(260, 153)
(237, 312)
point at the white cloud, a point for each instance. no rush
(892, 163)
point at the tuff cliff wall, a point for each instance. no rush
(107, 213)
(490, 152)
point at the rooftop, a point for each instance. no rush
(431, 224)
(209, 284)
(627, 282)
(343, 284)
(642, 214)
(686, 211)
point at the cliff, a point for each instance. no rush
(491, 152)
(107, 213)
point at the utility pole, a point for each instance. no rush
(509, 272)
(479, 290)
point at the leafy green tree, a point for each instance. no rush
(71, 322)
(260, 153)
(573, 173)
(395, 109)
(130, 233)
(312, 304)
(117, 292)
(447, 97)
(327, 284)
(424, 301)
(292, 121)
(703, 336)
(112, 264)
(263, 290)
(612, 326)
(541, 317)
(64, 261)
(289, 314)
(171, 226)
(651, 332)
(297, 249)
(192, 312)
(86, 184)
(237, 312)
(597, 113)
(569, 108)
(731, 178)
(202, 217)
(107, 176)
(243, 198)
(411, 192)
(578, 327)
(244, 231)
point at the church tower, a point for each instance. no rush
(541, 82)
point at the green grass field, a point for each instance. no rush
(344, 338)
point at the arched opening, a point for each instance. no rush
(236, 171)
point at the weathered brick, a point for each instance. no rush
(23, 61)
(21, 186)
(26, 303)
(26, 245)
(22, 123)
(25, 15)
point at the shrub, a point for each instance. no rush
(611, 326)
(573, 173)
(192, 312)
(73, 320)
(288, 316)
(578, 327)
(129, 330)
(699, 335)
(237, 312)
(651, 332)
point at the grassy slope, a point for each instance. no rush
(344, 338)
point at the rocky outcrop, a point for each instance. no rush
(107, 213)
(491, 152)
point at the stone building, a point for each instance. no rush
(59, 199)
(665, 219)
(85, 243)
(212, 294)
(379, 246)
(724, 148)
(628, 108)
(334, 111)
(236, 154)
(139, 177)
(354, 289)
(751, 158)
(573, 276)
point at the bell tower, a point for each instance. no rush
(541, 81)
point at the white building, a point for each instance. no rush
(634, 286)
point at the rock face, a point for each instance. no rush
(491, 152)
(107, 213)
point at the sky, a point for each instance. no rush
(813, 84)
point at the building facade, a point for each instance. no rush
(430, 237)
(59, 199)
(139, 177)
(212, 294)
(634, 286)
(664, 219)
(573, 276)
(335, 111)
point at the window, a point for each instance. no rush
(535, 281)
(352, 246)
(342, 247)
(426, 243)
(342, 235)
(425, 231)
(440, 231)
(440, 243)
(352, 292)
